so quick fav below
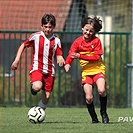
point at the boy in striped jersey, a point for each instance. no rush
(88, 49)
(45, 47)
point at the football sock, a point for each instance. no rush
(103, 103)
(92, 112)
(42, 105)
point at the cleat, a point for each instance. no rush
(95, 121)
(32, 91)
(105, 118)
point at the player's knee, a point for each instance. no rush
(102, 93)
(89, 99)
(37, 87)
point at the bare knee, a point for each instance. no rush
(89, 99)
(37, 86)
(102, 93)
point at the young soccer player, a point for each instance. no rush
(45, 47)
(88, 49)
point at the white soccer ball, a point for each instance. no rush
(36, 115)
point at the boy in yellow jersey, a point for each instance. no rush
(88, 49)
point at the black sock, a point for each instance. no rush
(103, 103)
(91, 111)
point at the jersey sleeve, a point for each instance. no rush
(30, 41)
(59, 51)
(59, 48)
(73, 48)
(98, 47)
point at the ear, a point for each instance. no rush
(41, 27)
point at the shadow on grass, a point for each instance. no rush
(48, 122)
(115, 122)
(73, 122)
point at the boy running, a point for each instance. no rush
(88, 49)
(45, 47)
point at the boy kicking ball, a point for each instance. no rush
(45, 47)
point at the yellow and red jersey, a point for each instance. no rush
(90, 55)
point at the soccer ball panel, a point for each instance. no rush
(36, 115)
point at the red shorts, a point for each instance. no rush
(91, 79)
(47, 80)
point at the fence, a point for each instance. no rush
(15, 87)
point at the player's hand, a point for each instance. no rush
(74, 55)
(60, 61)
(14, 65)
(67, 67)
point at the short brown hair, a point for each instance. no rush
(48, 18)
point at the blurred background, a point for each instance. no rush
(26, 15)
(18, 19)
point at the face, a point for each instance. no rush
(88, 31)
(47, 29)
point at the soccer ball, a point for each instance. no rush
(36, 115)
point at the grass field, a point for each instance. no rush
(64, 120)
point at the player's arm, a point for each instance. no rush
(95, 57)
(59, 57)
(69, 59)
(96, 54)
(60, 60)
(27, 43)
(14, 65)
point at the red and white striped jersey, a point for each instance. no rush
(44, 51)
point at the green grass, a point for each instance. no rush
(63, 120)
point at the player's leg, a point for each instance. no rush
(36, 82)
(36, 87)
(46, 90)
(44, 101)
(89, 102)
(87, 85)
(103, 99)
